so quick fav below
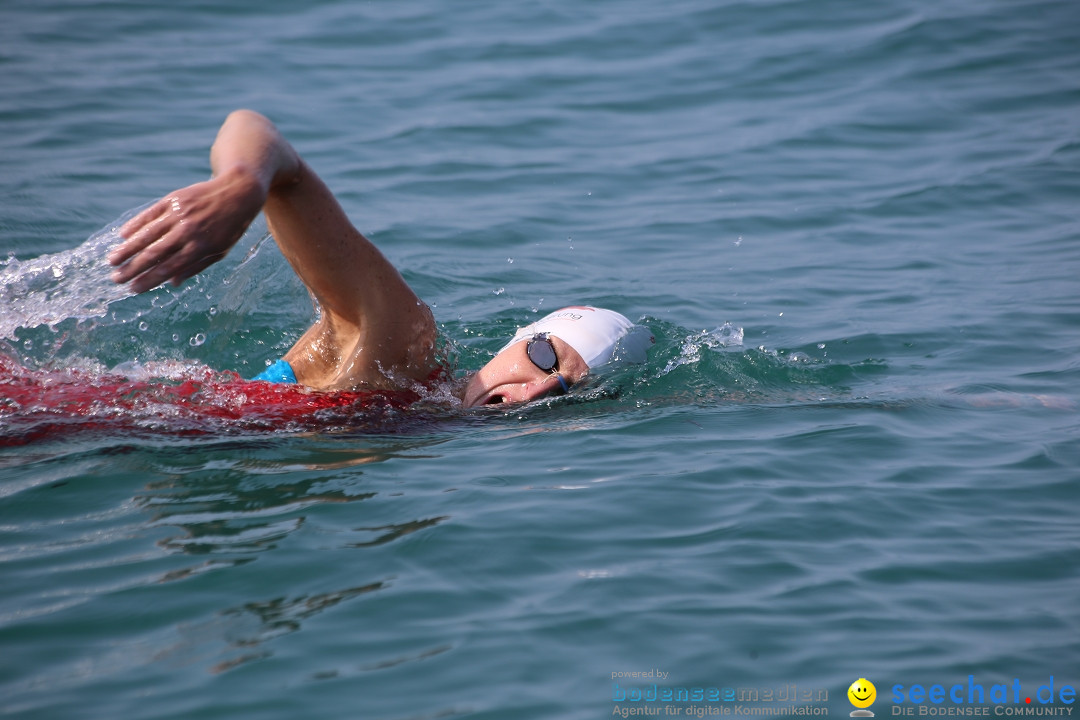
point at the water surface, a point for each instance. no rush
(853, 452)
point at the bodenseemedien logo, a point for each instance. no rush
(862, 694)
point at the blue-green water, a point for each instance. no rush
(878, 478)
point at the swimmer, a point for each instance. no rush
(372, 330)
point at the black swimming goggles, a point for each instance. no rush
(541, 352)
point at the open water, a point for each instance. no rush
(853, 227)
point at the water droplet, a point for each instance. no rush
(500, 291)
(28, 344)
(510, 260)
(176, 337)
(144, 326)
(213, 311)
(197, 340)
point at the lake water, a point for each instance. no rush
(854, 229)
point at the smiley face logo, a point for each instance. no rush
(862, 694)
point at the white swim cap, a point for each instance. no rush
(598, 335)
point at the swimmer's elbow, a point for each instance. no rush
(249, 138)
(243, 115)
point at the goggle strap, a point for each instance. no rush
(562, 381)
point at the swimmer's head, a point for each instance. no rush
(582, 338)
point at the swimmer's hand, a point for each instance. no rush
(187, 231)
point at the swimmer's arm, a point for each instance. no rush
(371, 323)
(188, 230)
(365, 303)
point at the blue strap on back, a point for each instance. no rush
(279, 372)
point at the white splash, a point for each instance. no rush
(70, 284)
(724, 336)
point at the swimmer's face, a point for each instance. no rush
(511, 377)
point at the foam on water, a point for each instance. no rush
(71, 284)
(723, 336)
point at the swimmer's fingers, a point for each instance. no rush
(141, 231)
(155, 261)
(190, 268)
(166, 247)
(174, 262)
(147, 215)
(185, 232)
(181, 234)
